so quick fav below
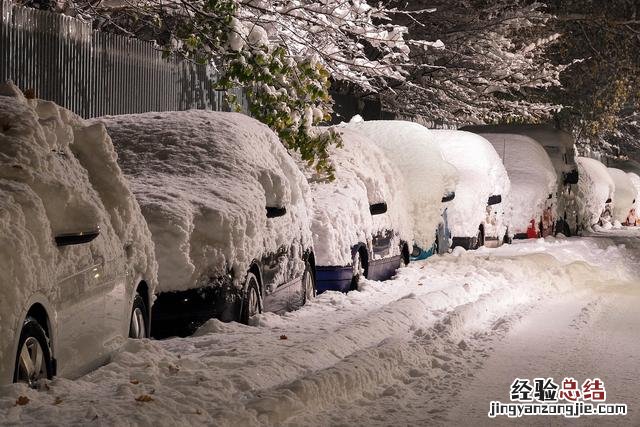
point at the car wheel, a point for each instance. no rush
(480, 238)
(138, 326)
(308, 284)
(33, 360)
(251, 304)
(358, 271)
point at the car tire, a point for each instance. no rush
(480, 238)
(308, 284)
(139, 321)
(33, 359)
(251, 302)
(358, 268)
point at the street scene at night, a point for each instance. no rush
(334, 213)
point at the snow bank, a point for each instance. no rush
(532, 175)
(482, 175)
(341, 216)
(203, 180)
(624, 195)
(427, 176)
(595, 187)
(58, 174)
(635, 180)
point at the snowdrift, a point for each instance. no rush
(341, 217)
(204, 180)
(482, 175)
(427, 176)
(58, 174)
(532, 175)
(624, 196)
(595, 187)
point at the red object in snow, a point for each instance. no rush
(531, 230)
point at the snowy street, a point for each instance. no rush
(434, 345)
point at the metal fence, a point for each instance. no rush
(93, 73)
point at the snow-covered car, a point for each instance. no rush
(633, 219)
(595, 193)
(476, 215)
(76, 257)
(530, 207)
(359, 221)
(560, 147)
(624, 197)
(429, 180)
(228, 211)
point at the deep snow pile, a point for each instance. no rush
(427, 176)
(204, 180)
(58, 174)
(343, 354)
(635, 180)
(595, 187)
(481, 175)
(532, 176)
(624, 196)
(341, 216)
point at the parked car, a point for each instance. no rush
(595, 193)
(228, 210)
(476, 215)
(530, 209)
(429, 180)
(633, 219)
(359, 220)
(560, 147)
(77, 261)
(624, 197)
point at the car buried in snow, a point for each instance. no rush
(624, 196)
(560, 147)
(359, 223)
(429, 180)
(530, 209)
(77, 261)
(227, 208)
(595, 193)
(476, 215)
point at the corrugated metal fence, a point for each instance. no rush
(93, 73)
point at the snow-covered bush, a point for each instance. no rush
(532, 176)
(204, 180)
(341, 217)
(58, 174)
(481, 175)
(427, 176)
(624, 195)
(595, 187)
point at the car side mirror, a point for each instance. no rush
(275, 212)
(79, 238)
(494, 200)
(608, 200)
(449, 197)
(378, 208)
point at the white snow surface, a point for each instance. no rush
(531, 174)
(341, 216)
(58, 174)
(204, 180)
(595, 187)
(427, 176)
(635, 180)
(624, 195)
(396, 352)
(481, 175)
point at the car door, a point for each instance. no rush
(117, 291)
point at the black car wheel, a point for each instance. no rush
(139, 324)
(251, 304)
(308, 284)
(358, 271)
(33, 360)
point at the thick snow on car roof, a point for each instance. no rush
(624, 194)
(58, 174)
(481, 175)
(204, 180)
(556, 142)
(533, 178)
(341, 216)
(595, 187)
(427, 176)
